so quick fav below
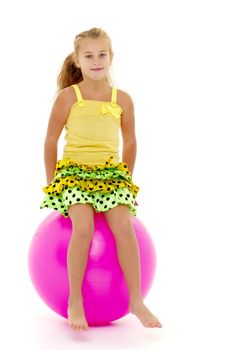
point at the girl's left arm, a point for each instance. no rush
(128, 133)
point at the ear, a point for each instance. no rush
(76, 63)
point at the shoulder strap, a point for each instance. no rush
(114, 96)
(78, 94)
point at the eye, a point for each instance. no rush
(102, 54)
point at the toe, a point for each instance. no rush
(151, 324)
(76, 328)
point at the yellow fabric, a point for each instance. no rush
(91, 183)
(92, 130)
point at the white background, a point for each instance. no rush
(175, 59)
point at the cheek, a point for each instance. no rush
(86, 64)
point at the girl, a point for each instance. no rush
(89, 176)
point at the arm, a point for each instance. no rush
(57, 120)
(128, 134)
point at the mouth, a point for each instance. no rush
(97, 69)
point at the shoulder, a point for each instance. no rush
(124, 99)
(126, 102)
(128, 117)
(68, 95)
(62, 104)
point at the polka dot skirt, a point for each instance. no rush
(104, 186)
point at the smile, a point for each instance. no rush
(97, 69)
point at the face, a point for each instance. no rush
(94, 53)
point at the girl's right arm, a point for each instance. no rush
(57, 120)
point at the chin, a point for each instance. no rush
(98, 78)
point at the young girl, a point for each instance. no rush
(89, 176)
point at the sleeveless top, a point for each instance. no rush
(92, 130)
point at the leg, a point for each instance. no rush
(120, 223)
(82, 232)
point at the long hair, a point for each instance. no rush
(71, 74)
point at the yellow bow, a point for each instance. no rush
(114, 111)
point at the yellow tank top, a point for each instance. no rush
(92, 130)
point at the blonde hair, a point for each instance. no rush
(71, 74)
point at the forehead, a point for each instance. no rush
(93, 45)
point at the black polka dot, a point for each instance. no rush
(100, 189)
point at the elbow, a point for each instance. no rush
(130, 142)
(50, 140)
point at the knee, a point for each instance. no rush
(123, 229)
(84, 230)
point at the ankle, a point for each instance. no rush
(75, 301)
(135, 300)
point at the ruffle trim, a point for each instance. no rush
(67, 162)
(103, 182)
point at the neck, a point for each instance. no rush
(94, 85)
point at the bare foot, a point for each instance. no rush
(139, 309)
(76, 316)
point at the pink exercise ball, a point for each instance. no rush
(104, 289)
